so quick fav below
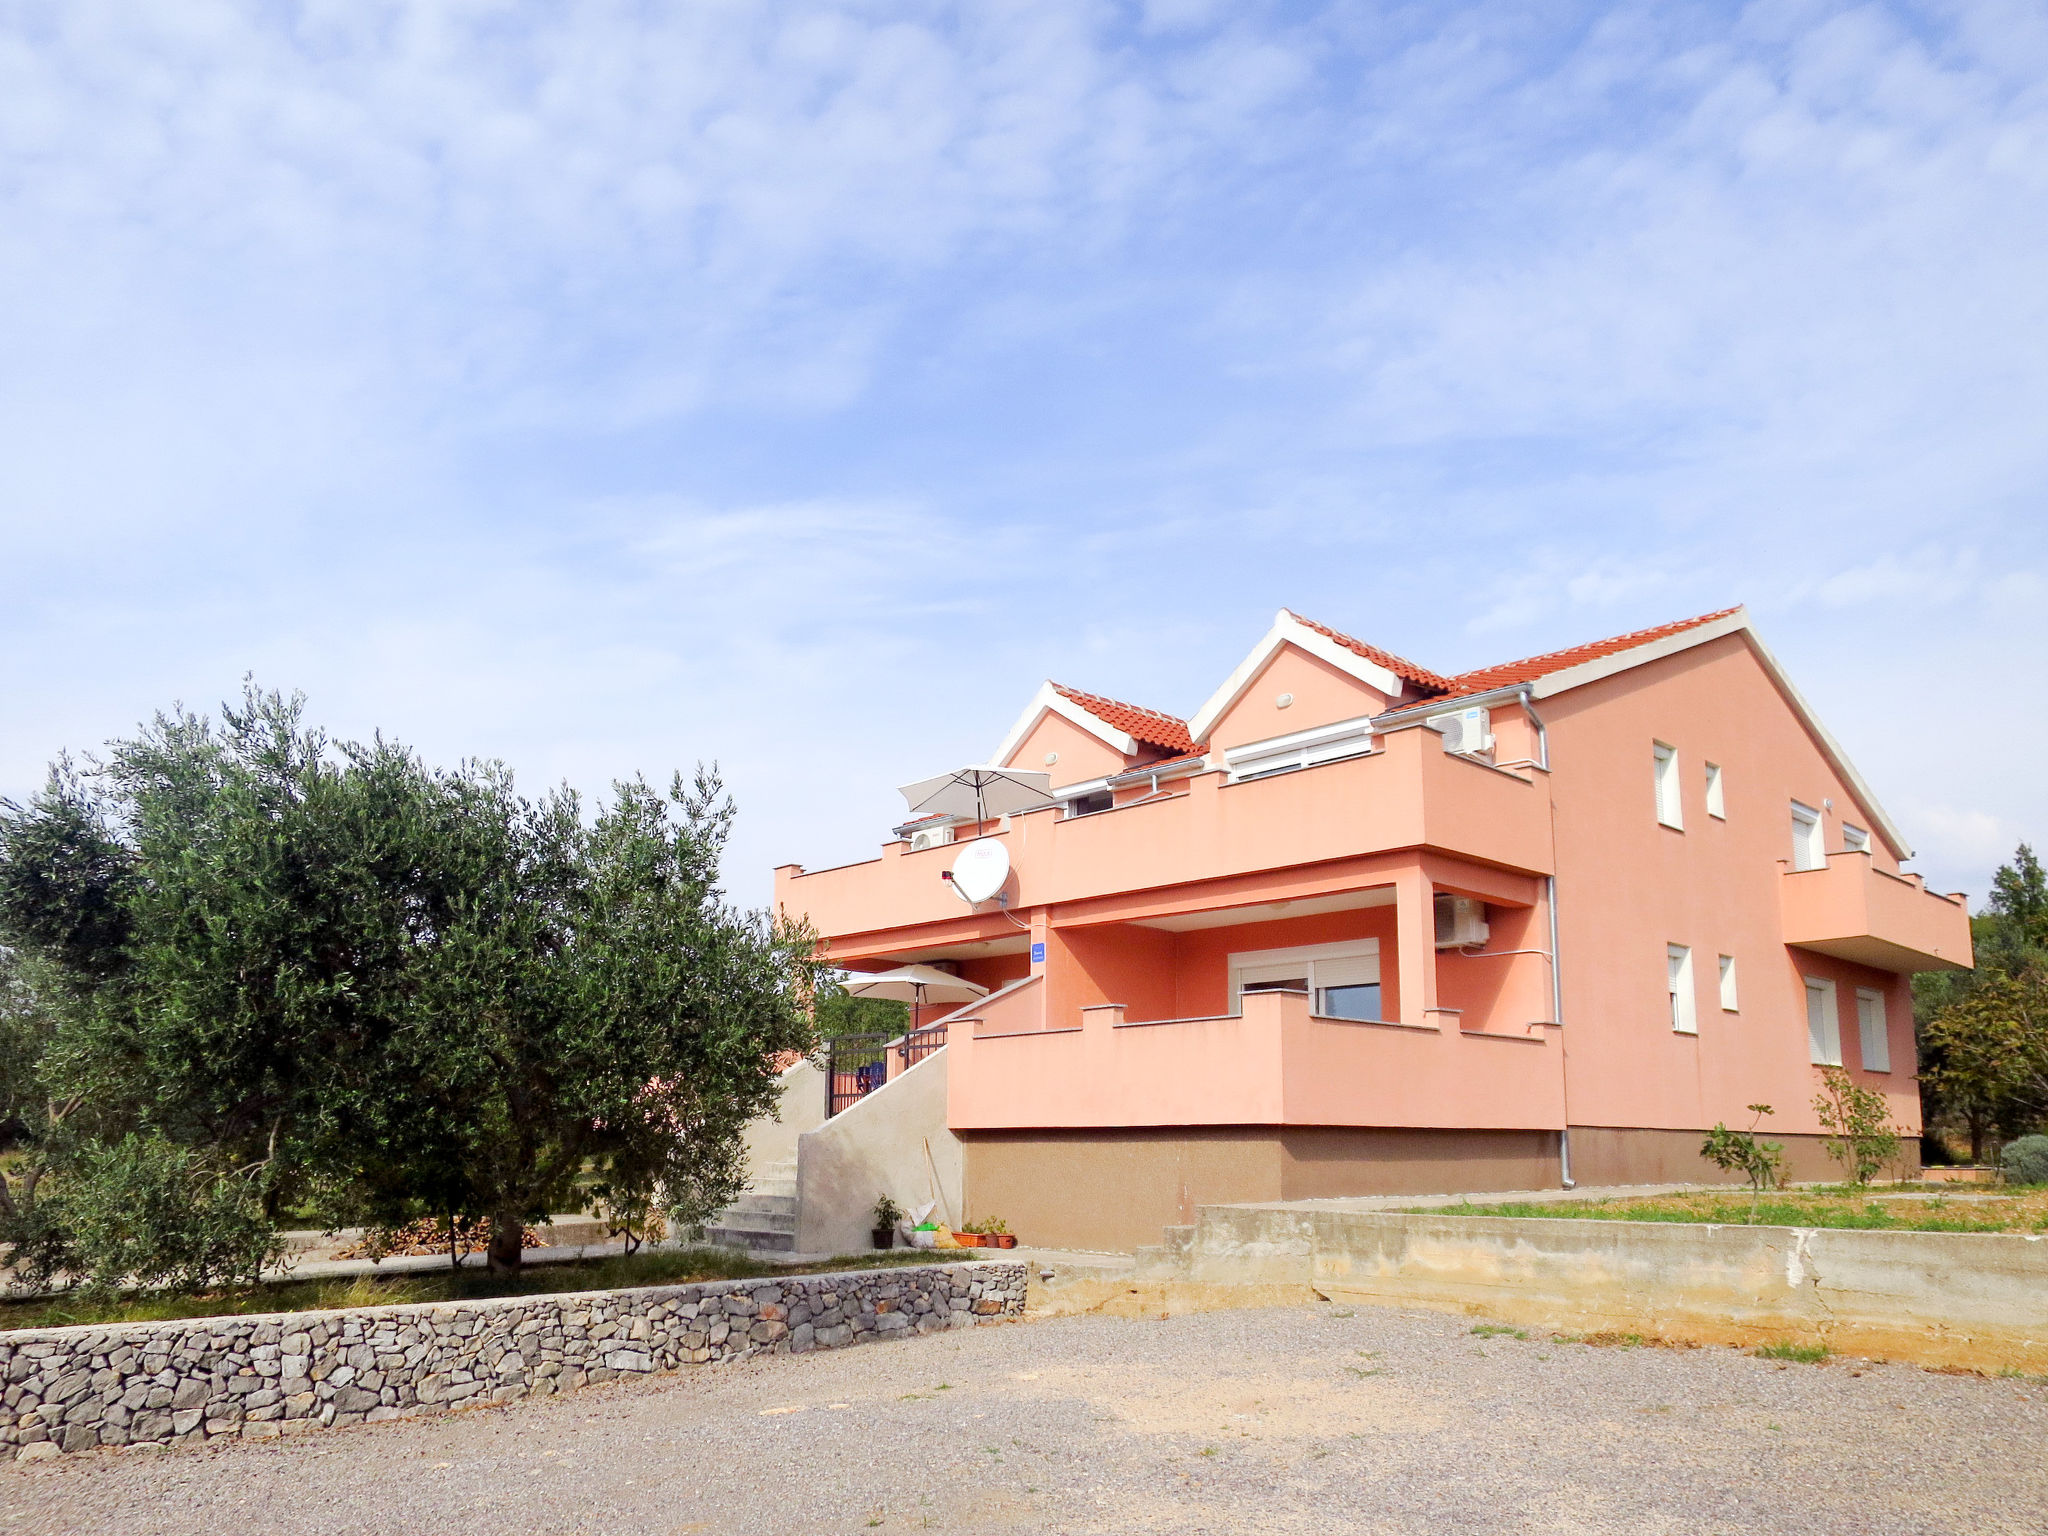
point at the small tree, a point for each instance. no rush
(1987, 1054)
(1761, 1163)
(1860, 1135)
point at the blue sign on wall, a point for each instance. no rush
(1037, 954)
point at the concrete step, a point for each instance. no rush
(760, 1211)
(754, 1239)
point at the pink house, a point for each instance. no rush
(1358, 927)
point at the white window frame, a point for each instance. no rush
(1670, 803)
(1717, 800)
(1730, 1000)
(1678, 979)
(1823, 1024)
(1809, 838)
(1301, 749)
(1855, 839)
(1873, 1031)
(1285, 964)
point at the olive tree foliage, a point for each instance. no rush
(331, 979)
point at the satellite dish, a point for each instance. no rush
(980, 870)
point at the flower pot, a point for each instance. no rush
(1001, 1240)
(884, 1237)
(969, 1239)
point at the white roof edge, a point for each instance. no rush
(1049, 700)
(1288, 630)
(1832, 749)
(1650, 650)
(1737, 622)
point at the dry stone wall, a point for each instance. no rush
(75, 1389)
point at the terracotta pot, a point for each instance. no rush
(970, 1239)
(1002, 1240)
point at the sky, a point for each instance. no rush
(605, 387)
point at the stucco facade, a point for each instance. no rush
(1218, 971)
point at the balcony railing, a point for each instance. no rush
(1408, 794)
(1858, 912)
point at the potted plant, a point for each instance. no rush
(887, 1214)
(990, 1232)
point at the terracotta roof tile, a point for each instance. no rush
(1201, 751)
(1507, 674)
(1169, 733)
(1400, 666)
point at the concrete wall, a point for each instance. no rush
(220, 1378)
(1940, 1298)
(1115, 1190)
(892, 1142)
(772, 1139)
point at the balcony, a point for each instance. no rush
(1013, 1066)
(1407, 794)
(1858, 912)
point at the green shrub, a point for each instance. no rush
(2025, 1161)
(1857, 1119)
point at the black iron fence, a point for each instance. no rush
(856, 1065)
(920, 1043)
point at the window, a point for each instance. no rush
(1342, 980)
(1084, 805)
(1348, 988)
(1717, 804)
(1855, 839)
(1303, 749)
(1728, 1003)
(1871, 1034)
(1823, 1031)
(1808, 851)
(1678, 971)
(1668, 810)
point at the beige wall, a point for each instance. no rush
(1612, 1155)
(892, 1142)
(772, 1139)
(1114, 1190)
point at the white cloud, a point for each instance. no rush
(603, 387)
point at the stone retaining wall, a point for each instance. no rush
(73, 1389)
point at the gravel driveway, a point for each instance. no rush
(1310, 1419)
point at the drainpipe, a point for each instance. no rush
(1564, 1135)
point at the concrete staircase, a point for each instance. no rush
(763, 1220)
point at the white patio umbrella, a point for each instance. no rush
(918, 984)
(978, 790)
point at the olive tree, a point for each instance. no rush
(326, 978)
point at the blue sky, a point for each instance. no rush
(605, 386)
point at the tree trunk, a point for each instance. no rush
(508, 1247)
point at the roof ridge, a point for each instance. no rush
(1400, 666)
(1546, 662)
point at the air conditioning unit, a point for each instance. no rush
(1468, 730)
(930, 837)
(1460, 920)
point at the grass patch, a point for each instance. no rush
(1786, 1349)
(681, 1267)
(1605, 1339)
(1498, 1331)
(2023, 1211)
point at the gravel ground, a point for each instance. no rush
(1310, 1419)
